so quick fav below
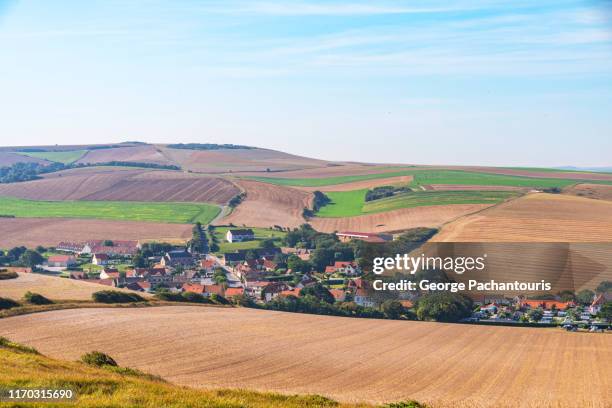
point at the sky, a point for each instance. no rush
(483, 82)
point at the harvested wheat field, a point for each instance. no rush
(358, 185)
(596, 191)
(54, 288)
(535, 217)
(10, 158)
(31, 232)
(348, 359)
(397, 220)
(332, 170)
(108, 184)
(237, 160)
(141, 153)
(267, 205)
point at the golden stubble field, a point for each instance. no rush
(535, 217)
(52, 287)
(446, 365)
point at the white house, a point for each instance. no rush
(239, 235)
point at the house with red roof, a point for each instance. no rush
(545, 304)
(100, 259)
(598, 303)
(349, 268)
(232, 292)
(338, 294)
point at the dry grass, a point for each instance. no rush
(52, 287)
(50, 231)
(145, 153)
(347, 359)
(267, 205)
(535, 218)
(397, 220)
(536, 173)
(596, 191)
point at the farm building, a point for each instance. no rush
(363, 236)
(100, 259)
(239, 235)
(177, 257)
(61, 261)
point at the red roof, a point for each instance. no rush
(330, 269)
(101, 257)
(193, 287)
(546, 304)
(207, 263)
(292, 292)
(217, 289)
(338, 294)
(229, 292)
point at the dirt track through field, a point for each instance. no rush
(31, 232)
(446, 365)
(397, 220)
(267, 205)
(535, 217)
(51, 287)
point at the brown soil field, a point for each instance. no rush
(144, 153)
(458, 187)
(348, 359)
(107, 184)
(237, 160)
(267, 205)
(397, 220)
(9, 158)
(358, 185)
(535, 217)
(31, 232)
(52, 287)
(596, 191)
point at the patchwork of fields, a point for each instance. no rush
(352, 203)
(66, 156)
(111, 210)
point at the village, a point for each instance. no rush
(259, 269)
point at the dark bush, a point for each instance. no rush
(36, 299)
(219, 299)
(194, 297)
(98, 359)
(113, 296)
(169, 296)
(4, 274)
(6, 303)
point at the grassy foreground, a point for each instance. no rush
(66, 157)
(352, 203)
(181, 213)
(23, 367)
(260, 234)
(424, 177)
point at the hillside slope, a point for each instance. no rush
(101, 387)
(348, 359)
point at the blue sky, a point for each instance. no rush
(453, 82)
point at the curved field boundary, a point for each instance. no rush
(65, 156)
(352, 203)
(348, 359)
(595, 191)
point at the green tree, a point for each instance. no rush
(606, 311)
(567, 296)
(585, 296)
(535, 315)
(392, 309)
(139, 261)
(31, 258)
(296, 264)
(444, 307)
(267, 243)
(318, 291)
(604, 287)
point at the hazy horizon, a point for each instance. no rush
(458, 82)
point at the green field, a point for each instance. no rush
(260, 234)
(66, 157)
(182, 213)
(352, 203)
(424, 177)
